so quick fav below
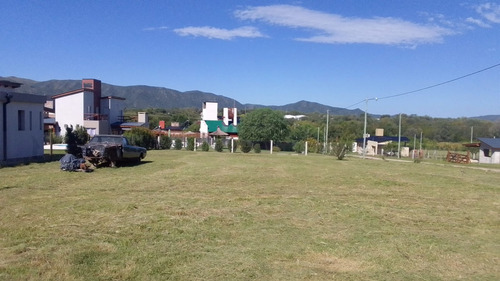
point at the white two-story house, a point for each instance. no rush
(88, 108)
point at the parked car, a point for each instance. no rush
(110, 150)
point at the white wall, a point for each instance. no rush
(27, 143)
(142, 117)
(493, 159)
(203, 129)
(70, 109)
(209, 111)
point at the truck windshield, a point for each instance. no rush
(106, 139)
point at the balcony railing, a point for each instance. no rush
(95, 116)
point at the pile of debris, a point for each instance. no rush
(71, 163)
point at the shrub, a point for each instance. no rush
(141, 136)
(82, 137)
(72, 143)
(313, 145)
(190, 144)
(165, 142)
(205, 146)
(178, 144)
(245, 146)
(339, 149)
(276, 149)
(299, 147)
(256, 148)
(218, 145)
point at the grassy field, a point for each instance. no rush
(218, 216)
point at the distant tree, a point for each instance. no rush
(299, 147)
(205, 146)
(263, 125)
(245, 146)
(190, 144)
(178, 144)
(195, 127)
(313, 146)
(301, 130)
(165, 142)
(141, 136)
(218, 145)
(256, 148)
(493, 131)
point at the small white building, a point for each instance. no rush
(88, 108)
(489, 150)
(21, 119)
(210, 121)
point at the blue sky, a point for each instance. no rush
(337, 53)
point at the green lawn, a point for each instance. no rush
(183, 215)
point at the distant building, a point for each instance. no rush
(376, 145)
(489, 150)
(296, 117)
(88, 108)
(21, 119)
(142, 121)
(211, 123)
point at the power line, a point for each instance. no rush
(432, 86)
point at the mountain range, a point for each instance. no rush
(143, 97)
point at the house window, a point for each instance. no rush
(486, 152)
(31, 120)
(21, 121)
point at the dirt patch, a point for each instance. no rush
(329, 263)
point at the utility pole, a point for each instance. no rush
(326, 139)
(399, 137)
(414, 144)
(420, 149)
(364, 130)
(471, 133)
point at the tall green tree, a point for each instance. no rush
(263, 125)
(302, 130)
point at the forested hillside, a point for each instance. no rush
(313, 126)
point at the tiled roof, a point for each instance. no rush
(128, 124)
(71, 93)
(212, 127)
(491, 142)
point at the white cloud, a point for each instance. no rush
(155, 28)
(477, 22)
(219, 33)
(336, 29)
(489, 11)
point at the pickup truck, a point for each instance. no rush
(110, 150)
